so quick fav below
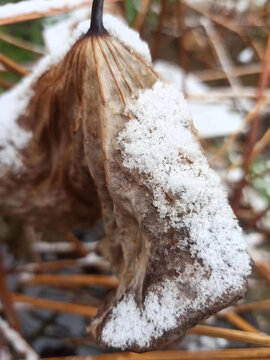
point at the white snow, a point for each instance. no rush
(116, 27)
(64, 29)
(210, 119)
(14, 102)
(60, 246)
(159, 144)
(238, 6)
(17, 341)
(127, 36)
(246, 55)
(40, 6)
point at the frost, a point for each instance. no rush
(158, 142)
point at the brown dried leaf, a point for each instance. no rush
(74, 170)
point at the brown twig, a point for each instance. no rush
(109, 282)
(156, 42)
(223, 58)
(139, 20)
(45, 266)
(238, 321)
(236, 71)
(21, 44)
(55, 305)
(182, 55)
(256, 305)
(12, 66)
(224, 354)
(77, 243)
(232, 138)
(236, 335)
(254, 129)
(6, 300)
(263, 269)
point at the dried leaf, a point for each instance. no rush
(106, 130)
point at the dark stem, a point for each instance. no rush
(97, 28)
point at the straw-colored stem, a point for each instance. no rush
(72, 280)
(256, 305)
(238, 322)
(12, 66)
(55, 305)
(236, 335)
(226, 354)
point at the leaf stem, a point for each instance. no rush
(97, 28)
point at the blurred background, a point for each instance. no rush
(218, 53)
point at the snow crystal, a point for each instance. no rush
(14, 102)
(158, 143)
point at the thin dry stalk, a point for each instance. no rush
(226, 93)
(12, 66)
(77, 243)
(256, 305)
(45, 266)
(223, 58)
(226, 354)
(139, 20)
(254, 129)
(22, 44)
(238, 321)
(263, 269)
(182, 55)
(6, 300)
(236, 71)
(229, 334)
(233, 137)
(55, 305)
(260, 145)
(109, 282)
(156, 42)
